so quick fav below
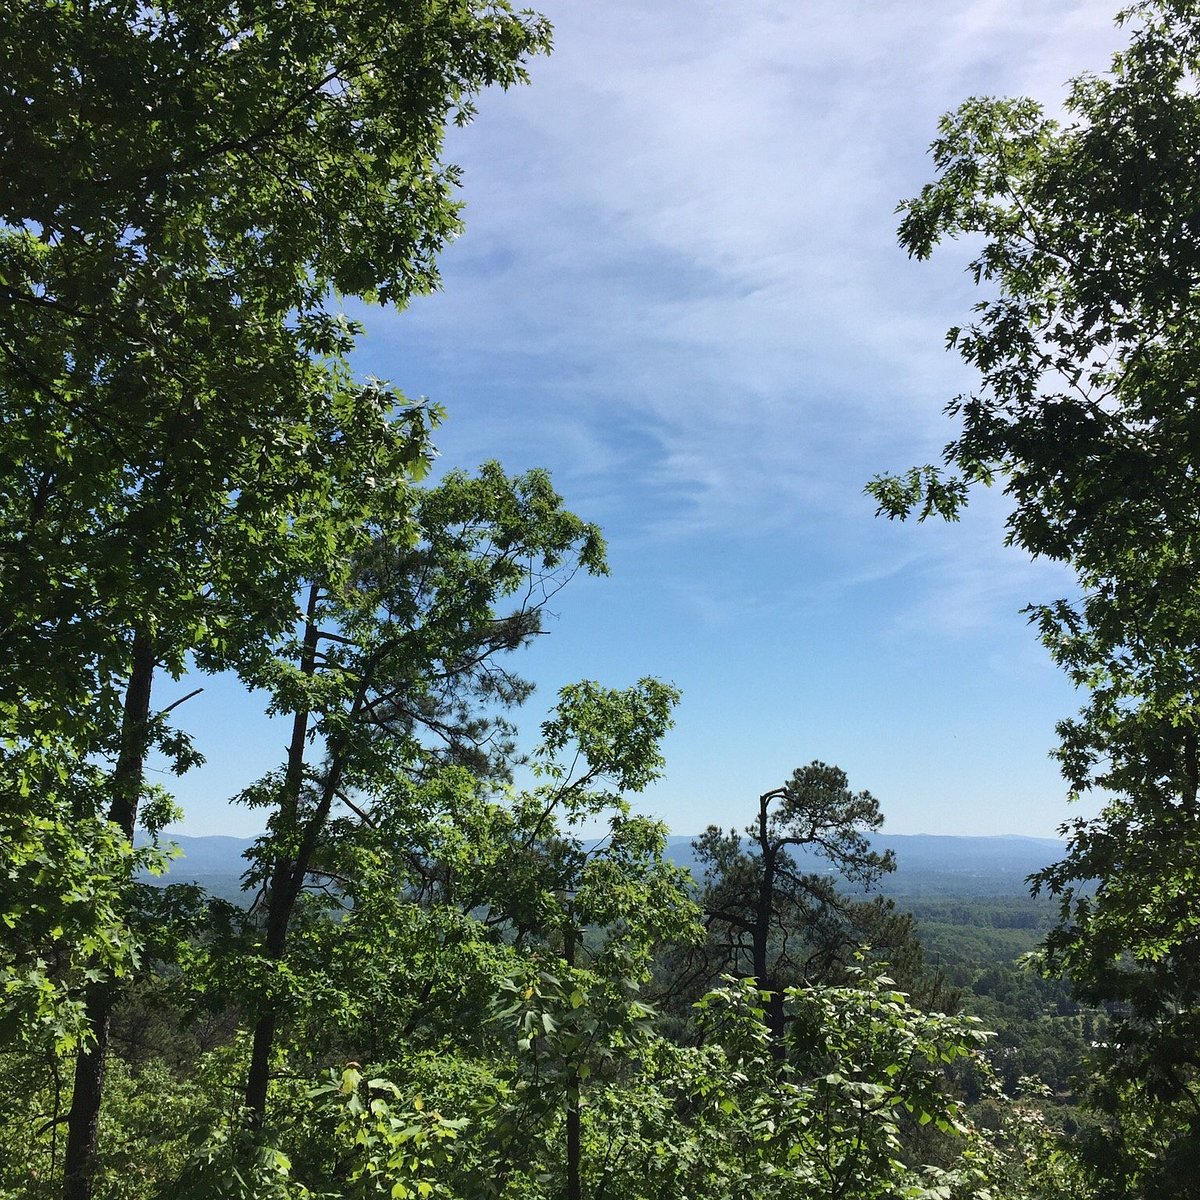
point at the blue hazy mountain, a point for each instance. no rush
(926, 864)
(935, 864)
(214, 862)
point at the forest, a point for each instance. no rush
(436, 981)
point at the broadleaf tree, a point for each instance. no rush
(1088, 356)
(188, 188)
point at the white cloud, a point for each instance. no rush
(693, 205)
(680, 289)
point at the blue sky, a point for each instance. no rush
(679, 290)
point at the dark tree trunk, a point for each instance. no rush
(259, 1075)
(287, 875)
(286, 881)
(83, 1119)
(761, 933)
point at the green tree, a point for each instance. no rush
(588, 919)
(1088, 356)
(187, 188)
(862, 1078)
(396, 669)
(769, 918)
(455, 894)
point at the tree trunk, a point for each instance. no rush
(761, 933)
(286, 881)
(259, 1075)
(287, 874)
(83, 1119)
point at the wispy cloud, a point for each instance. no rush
(688, 220)
(680, 290)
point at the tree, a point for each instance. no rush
(396, 669)
(1088, 356)
(601, 910)
(724, 1118)
(189, 186)
(766, 916)
(453, 895)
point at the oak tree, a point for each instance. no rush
(1088, 354)
(187, 188)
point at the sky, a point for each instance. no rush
(679, 290)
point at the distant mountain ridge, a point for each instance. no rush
(926, 864)
(937, 864)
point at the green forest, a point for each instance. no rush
(437, 982)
